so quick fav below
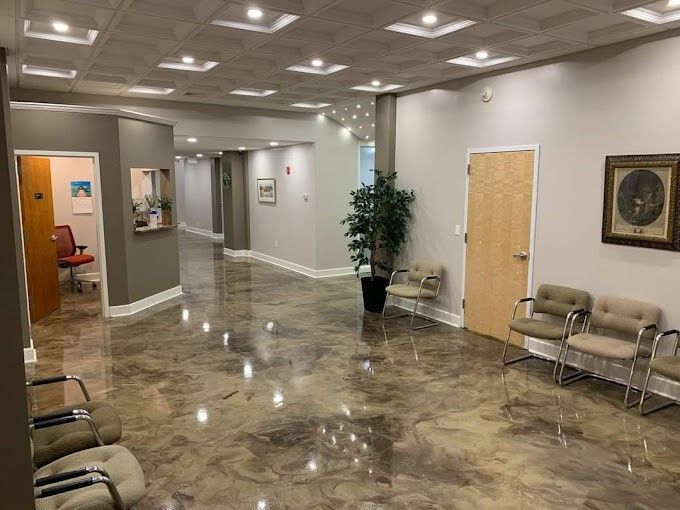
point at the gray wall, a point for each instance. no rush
(16, 482)
(291, 220)
(180, 208)
(235, 214)
(615, 100)
(198, 194)
(336, 150)
(216, 195)
(152, 258)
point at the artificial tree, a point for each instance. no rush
(377, 228)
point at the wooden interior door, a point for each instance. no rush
(500, 192)
(40, 248)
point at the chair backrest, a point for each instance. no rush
(624, 315)
(66, 244)
(419, 269)
(559, 301)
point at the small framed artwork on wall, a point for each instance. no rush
(266, 191)
(641, 201)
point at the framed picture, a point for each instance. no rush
(266, 191)
(641, 201)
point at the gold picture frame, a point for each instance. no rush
(641, 201)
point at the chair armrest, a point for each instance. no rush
(643, 330)
(519, 302)
(661, 336)
(81, 247)
(72, 485)
(67, 475)
(61, 378)
(57, 414)
(395, 273)
(62, 420)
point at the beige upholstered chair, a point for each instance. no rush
(423, 282)
(108, 477)
(555, 302)
(665, 366)
(621, 316)
(73, 428)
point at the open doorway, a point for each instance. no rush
(62, 230)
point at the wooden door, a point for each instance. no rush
(500, 191)
(40, 249)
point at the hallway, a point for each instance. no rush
(261, 388)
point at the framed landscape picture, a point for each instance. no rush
(641, 201)
(266, 190)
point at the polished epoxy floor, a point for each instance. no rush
(260, 388)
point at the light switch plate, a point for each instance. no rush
(305, 197)
(457, 230)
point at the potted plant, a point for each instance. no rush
(152, 209)
(165, 205)
(377, 225)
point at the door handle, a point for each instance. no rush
(522, 255)
(53, 238)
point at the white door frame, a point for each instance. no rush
(99, 216)
(536, 148)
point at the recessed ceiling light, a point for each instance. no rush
(366, 137)
(673, 3)
(372, 103)
(161, 91)
(273, 144)
(333, 111)
(188, 60)
(178, 157)
(375, 83)
(199, 155)
(358, 106)
(50, 72)
(241, 148)
(343, 119)
(429, 19)
(317, 62)
(361, 127)
(367, 114)
(482, 55)
(372, 125)
(192, 140)
(219, 152)
(254, 13)
(60, 26)
(354, 116)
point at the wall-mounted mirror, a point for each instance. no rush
(151, 199)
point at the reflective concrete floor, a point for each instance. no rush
(263, 389)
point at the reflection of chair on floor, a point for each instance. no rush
(67, 257)
(622, 316)
(666, 366)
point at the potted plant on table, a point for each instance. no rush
(377, 227)
(165, 205)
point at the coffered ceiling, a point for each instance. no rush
(302, 55)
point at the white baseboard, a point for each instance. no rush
(292, 266)
(608, 369)
(426, 310)
(142, 304)
(202, 232)
(181, 225)
(30, 355)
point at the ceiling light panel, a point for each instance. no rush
(323, 69)
(430, 25)
(242, 17)
(50, 72)
(310, 105)
(253, 92)
(184, 64)
(482, 59)
(73, 35)
(659, 12)
(159, 91)
(379, 89)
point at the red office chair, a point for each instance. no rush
(66, 254)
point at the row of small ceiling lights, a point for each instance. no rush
(193, 139)
(354, 116)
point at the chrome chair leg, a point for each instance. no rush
(521, 357)
(658, 407)
(629, 387)
(579, 374)
(390, 317)
(428, 322)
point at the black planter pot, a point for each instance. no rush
(374, 293)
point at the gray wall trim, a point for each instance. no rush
(16, 482)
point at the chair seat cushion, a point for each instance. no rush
(605, 346)
(668, 366)
(52, 443)
(75, 260)
(121, 466)
(409, 291)
(537, 328)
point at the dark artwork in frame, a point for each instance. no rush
(641, 201)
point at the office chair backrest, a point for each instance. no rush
(66, 244)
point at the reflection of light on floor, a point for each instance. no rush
(311, 465)
(353, 437)
(270, 326)
(202, 415)
(277, 399)
(225, 338)
(206, 327)
(247, 370)
(185, 315)
(261, 505)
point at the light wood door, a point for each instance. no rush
(40, 248)
(500, 190)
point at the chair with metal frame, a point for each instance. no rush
(619, 315)
(107, 477)
(72, 428)
(428, 276)
(666, 366)
(554, 301)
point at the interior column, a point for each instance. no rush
(235, 201)
(16, 482)
(385, 132)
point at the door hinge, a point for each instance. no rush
(463, 303)
(465, 240)
(468, 169)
